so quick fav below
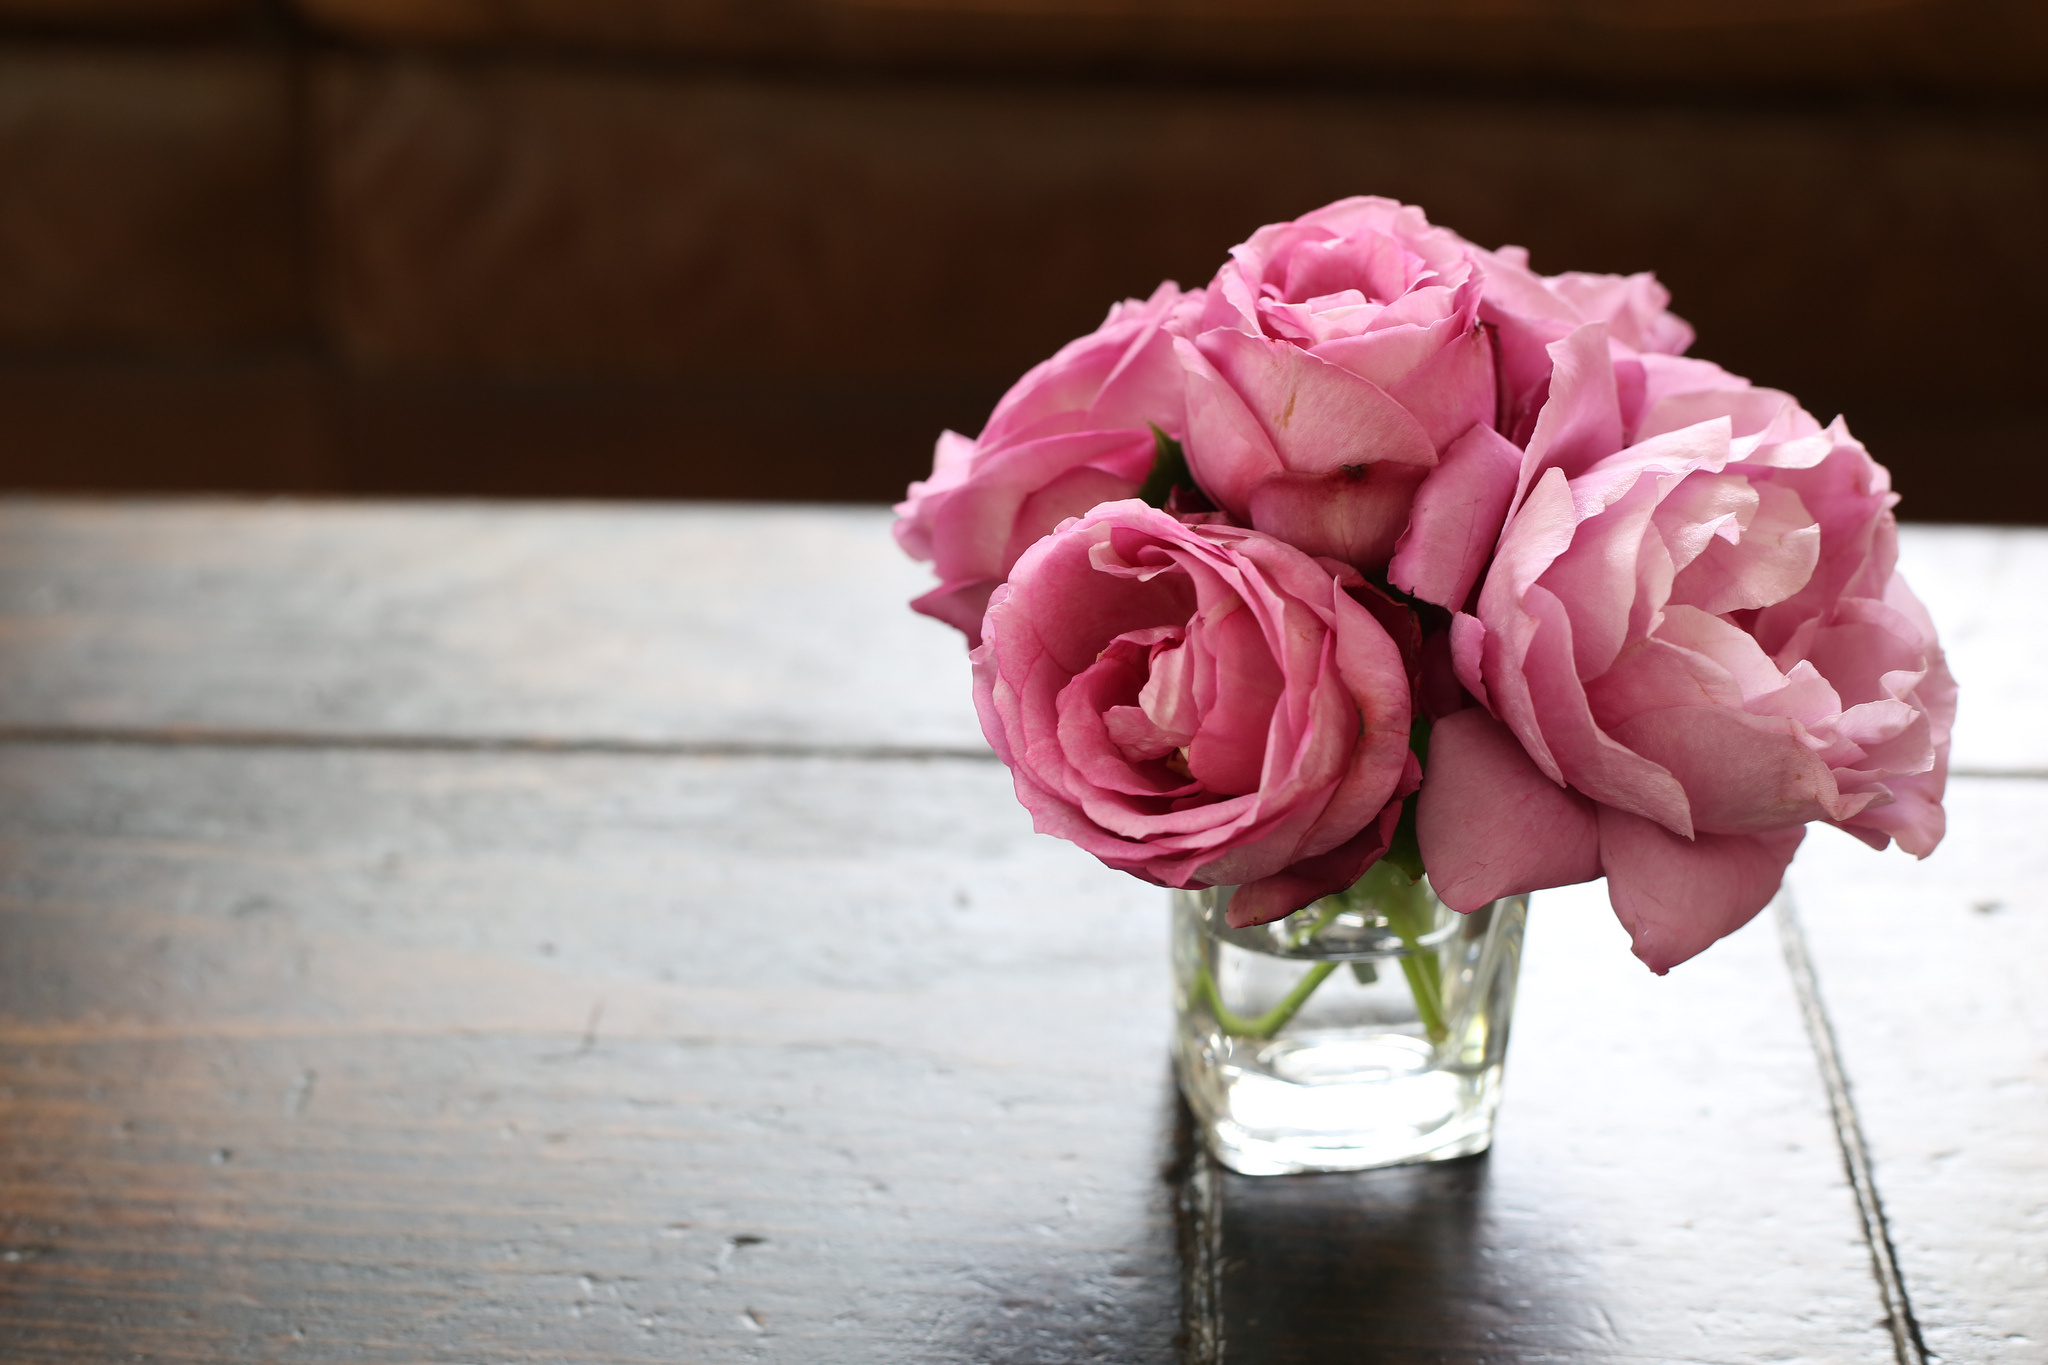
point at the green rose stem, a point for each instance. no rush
(1411, 922)
(1384, 891)
(1274, 1019)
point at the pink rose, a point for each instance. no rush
(1686, 650)
(1198, 705)
(1336, 358)
(1529, 312)
(1596, 396)
(1075, 431)
(1580, 360)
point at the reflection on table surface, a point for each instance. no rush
(466, 931)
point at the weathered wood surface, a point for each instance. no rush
(391, 1057)
(1983, 585)
(707, 624)
(1664, 1185)
(1932, 975)
(695, 624)
(321, 1039)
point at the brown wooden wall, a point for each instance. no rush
(767, 248)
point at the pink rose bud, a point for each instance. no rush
(1686, 651)
(1075, 431)
(1198, 705)
(1337, 357)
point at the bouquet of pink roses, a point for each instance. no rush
(1383, 547)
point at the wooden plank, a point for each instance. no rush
(709, 624)
(1982, 585)
(394, 1058)
(378, 1057)
(1930, 972)
(717, 623)
(1665, 1185)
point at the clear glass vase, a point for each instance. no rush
(1368, 1029)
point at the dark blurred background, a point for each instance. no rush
(768, 248)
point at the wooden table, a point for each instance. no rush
(467, 933)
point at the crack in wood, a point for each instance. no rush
(207, 737)
(1907, 1344)
(1198, 1215)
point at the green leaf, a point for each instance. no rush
(1169, 470)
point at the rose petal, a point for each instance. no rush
(1318, 417)
(1456, 519)
(1634, 307)
(1468, 650)
(1742, 774)
(1587, 756)
(1228, 451)
(1356, 518)
(961, 605)
(1239, 683)
(1770, 559)
(1655, 674)
(1491, 824)
(1580, 423)
(1305, 882)
(1453, 390)
(1116, 474)
(1678, 896)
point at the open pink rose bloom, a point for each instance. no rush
(1076, 431)
(1198, 706)
(1648, 613)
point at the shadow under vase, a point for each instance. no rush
(1664, 1184)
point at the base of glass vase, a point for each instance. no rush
(1366, 1030)
(1352, 1104)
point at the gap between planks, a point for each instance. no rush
(206, 737)
(1199, 1215)
(225, 737)
(1907, 1345)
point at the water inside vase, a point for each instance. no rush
(1348, 1035)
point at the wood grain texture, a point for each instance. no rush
(1664, 1185)
(1982, 586)
(315, 1056)
(710, 1050)
(408, 1057)
(713, 624)
(1931, 973)
(706, 624)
